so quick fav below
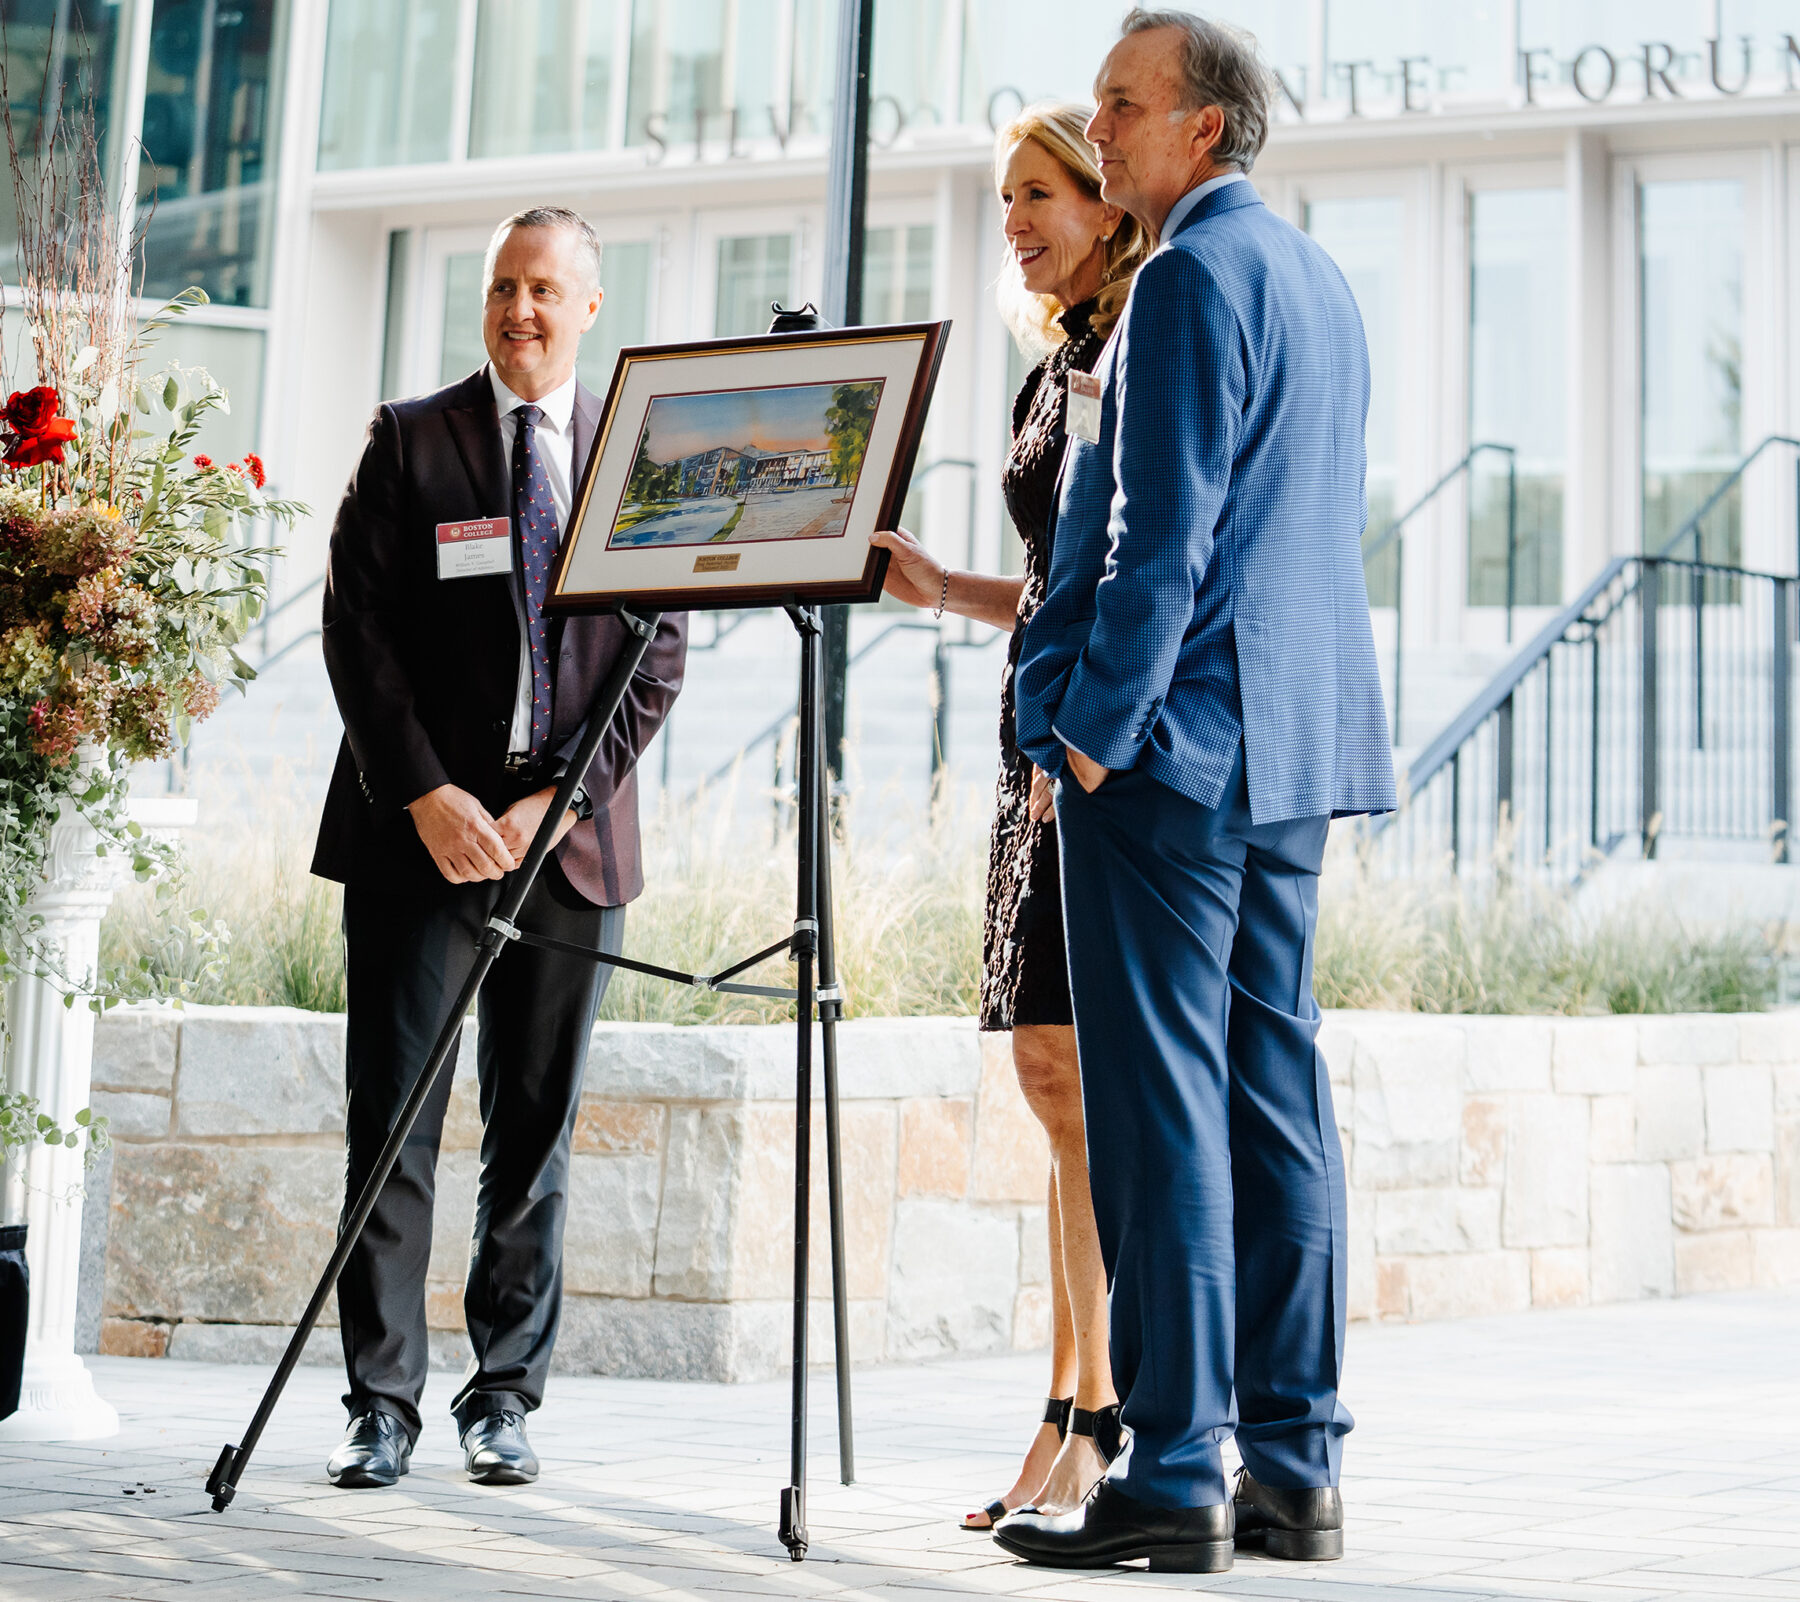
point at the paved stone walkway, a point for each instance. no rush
(1645, 1451)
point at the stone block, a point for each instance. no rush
(715, 1341)
(444, 1306)
(1696, 1038)
(607, 1128)
(954, 1280)
(1719, 1261)
(1612, 1129)
(228, 1234)
(934, 1146)
(1771, 1037)
(1727, 1191)
(1631, 1242)
(1467, 1285)
(132, 1114)
(701, 1182)
(1414, 1221)
(1595, 1056)
(262, 1345)
(761, 1228)
(1408, 1078)
(133, 1337)
(1360, 1302)
(1483, 1155)
(609, 1237)
(1787, 1090)
(1337, 1045)
(1478, 1220)
(1034, 1246)
(1559, 1277)
(1740, 1107)
(135, 1049)
(868, 1332)
(462, 1118)
(1391, 1299)
(1775, 1257)
(278, 1071)
(1012, 1157)
(1671, 1112)
(1506, 1054)
(1546, 1201)
(1787, 1171)
(453, 1217)
(1031, 1319)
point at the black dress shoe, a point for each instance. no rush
(376, 1450)
(1111, 1527)
(495, 1451)
(1306, 1526)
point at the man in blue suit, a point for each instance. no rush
(1201, 682)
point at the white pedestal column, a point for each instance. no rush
(50, 1055)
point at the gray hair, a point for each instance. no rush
(587, 241)
(1220, 66)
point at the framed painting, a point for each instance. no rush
(748, 472)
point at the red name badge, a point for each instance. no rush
(474, 549)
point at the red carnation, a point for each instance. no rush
(39, 434)
(203, 462)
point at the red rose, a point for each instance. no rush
(203, 462)
(38, 433)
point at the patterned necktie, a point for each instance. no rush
(535, 510)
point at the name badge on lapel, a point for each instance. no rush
(1082, 419)
(474, 549)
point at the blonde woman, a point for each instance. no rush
(1072, 257)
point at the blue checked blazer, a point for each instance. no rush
(1206, 583)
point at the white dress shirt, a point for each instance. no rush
(555, 439)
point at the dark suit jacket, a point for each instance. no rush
(425, 670)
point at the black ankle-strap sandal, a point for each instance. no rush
(1102, 1426)
(1058, 1410)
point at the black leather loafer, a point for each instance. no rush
(495, 1451)
(1111, 1528)
(1305, 1526)
(376, 1450)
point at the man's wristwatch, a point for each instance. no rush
(581, 804)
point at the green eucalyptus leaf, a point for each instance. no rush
(171, 395)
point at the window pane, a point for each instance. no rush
(1364, 238)
(386, 66)
(210, 128)
(694, 61)
(463, 349)
(73, 62)
(813, 66)
(1516, 349)
(909, 66)
(897, 274)
(1692, 295)
(624, 313)
(543, 76)
(753, 272)
(1626, 28)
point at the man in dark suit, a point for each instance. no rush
(461, 703)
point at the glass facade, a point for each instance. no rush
(897, 274)
(1691, 295)
(1416, 51)
(545, 74)
(696, 63)
(206, 177)
(1518, 244)
(753, 272)
(63, 58)
(1364, 236)
(386, 64)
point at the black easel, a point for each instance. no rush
(816, 991)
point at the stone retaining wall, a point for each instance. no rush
(1495, 1164)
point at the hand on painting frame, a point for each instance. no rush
(913, 574)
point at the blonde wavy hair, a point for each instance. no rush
(1060, 128)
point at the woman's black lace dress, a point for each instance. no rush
(1025, 968)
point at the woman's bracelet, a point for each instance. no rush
(943, 597)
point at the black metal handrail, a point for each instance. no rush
(1394, 532)
(1691, 528)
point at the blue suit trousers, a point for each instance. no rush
(1217, 1174)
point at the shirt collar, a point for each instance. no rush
(1184, 207)
(557, 407)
